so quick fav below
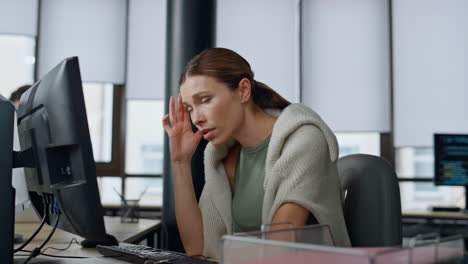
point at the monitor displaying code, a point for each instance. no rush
(451, 159)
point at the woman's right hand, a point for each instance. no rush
(182, 140)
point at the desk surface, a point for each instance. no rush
(124, 232)
(434, 215)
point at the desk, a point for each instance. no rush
(430, 216)
(142, 209)
(133, 233)
(444, 223)
(124, 232)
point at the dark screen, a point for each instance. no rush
(451, 159)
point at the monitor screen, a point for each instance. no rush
(54, 135)
(451, 159)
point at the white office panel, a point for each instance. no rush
(345, 63)
(18, 17)
(146, 49)
(95, 31)
(431, 69)
(266, 34)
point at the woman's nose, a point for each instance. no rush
(197, 118)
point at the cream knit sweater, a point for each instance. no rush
(300, 168)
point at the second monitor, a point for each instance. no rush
(451, 161)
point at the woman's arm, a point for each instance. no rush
(188, 214)
(290, 213)
(183, 143)
(305, 174)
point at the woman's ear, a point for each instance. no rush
(245, 90)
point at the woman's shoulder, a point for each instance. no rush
(297, 115)
(306, 137)
(299, 127)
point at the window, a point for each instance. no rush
(144, 151)
(353, 143)
(145, 137)
(103, 111)
(16, 63)
(98, 100)
(416, 164)
(109, 190)
(423, 195)
(148, 189)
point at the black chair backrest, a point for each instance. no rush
(372, 207)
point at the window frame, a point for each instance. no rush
(115, 167)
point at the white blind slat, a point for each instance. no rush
(95, 31)
(146, 50)
(18, 17)
(431, 66)
(265, 34)
(345, 63)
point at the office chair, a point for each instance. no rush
(372, 207)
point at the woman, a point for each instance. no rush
(267, 161)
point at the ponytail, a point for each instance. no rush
(228, 67)
(265, 97)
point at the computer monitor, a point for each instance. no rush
(451, 160)
(18, 179)
(57, 155)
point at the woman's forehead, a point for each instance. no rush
(198, 84)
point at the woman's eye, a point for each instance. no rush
(205, 99)
(189, 109)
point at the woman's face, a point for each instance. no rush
(214, 109)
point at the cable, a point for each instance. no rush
(48, 255)
(35, 233)
(37, 250)
(63, 249)
(55, 256)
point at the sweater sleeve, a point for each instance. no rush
(213, 226)
(305, 175)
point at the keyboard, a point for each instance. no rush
(139, 254)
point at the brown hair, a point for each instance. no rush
(16, 95)
(228, 67)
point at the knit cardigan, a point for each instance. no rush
(300, 168)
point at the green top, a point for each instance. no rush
(247, 201)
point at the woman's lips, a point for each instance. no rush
(208, 133)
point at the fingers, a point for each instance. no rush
(180, 109)
(166, 123)
(172, 112)
(186, 115)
